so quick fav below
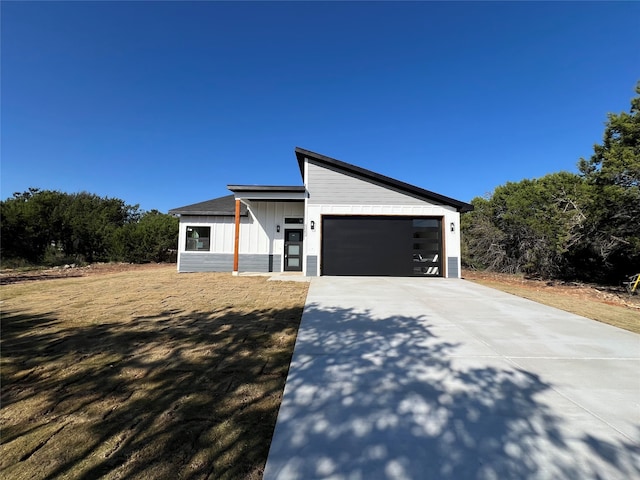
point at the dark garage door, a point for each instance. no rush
(381, 245)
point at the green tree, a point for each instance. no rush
(90, 223)
(30, 223)
(482, 240)
(151, 238)
(564, 225)
(613, 246)
(527, 226)
(44, 226)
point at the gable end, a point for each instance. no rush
(378, 179)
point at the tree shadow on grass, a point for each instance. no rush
(387, 398)
(177, 395)
(36, 276)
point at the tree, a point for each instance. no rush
(152, 238)
(613, 171)
(90, 223)
(527, 226)
(31, 222)
(51, 227)
(583, 226)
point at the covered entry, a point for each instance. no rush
(381, 245)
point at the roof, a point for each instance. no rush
(267, 188)
(270, 193)
(222, 206)
(412, 190)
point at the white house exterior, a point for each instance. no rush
(343, 220)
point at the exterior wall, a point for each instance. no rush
(448, 214)
(330, 192)
(223, 262)
(260, 246)
(334, 193)
(251, 262)
(311, 266)
(265, 217)
(328, 186)
(205, 262)
(453, 267)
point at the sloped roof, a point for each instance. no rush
(222, 206)
(412, 190)
(267, 188)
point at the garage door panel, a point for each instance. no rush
(392, 246)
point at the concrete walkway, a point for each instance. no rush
(400, 378)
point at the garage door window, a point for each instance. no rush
(426, 246)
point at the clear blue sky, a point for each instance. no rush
(163, 104)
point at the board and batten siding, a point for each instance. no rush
(265, 216)
(260, 246)
(222, 231)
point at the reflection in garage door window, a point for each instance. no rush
(426, 223)
(426, 246)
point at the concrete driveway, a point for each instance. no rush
(400, 378)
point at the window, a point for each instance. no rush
(198, 238)
(426, 246)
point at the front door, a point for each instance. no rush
(293, 250)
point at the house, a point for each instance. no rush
(343, 220)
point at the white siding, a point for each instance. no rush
(334, 192)
(258, 235)
(222, 231)
(448, 214)
(261, 236)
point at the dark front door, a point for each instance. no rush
(293, 250)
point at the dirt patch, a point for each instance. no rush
(8, 276)
(608, 304)
(120, 371)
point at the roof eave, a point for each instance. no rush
(266, 188)
(274, 193)
(206, 212)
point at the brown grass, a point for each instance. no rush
(609, 305)
(144, 374)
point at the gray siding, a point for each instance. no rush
(312, 265)
(253, 262)
(223, 262)
(275, 263)
(329, 186)
(452, 267)
(205, 262)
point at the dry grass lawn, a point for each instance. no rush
(143, 373)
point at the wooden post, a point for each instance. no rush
(236, 243)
